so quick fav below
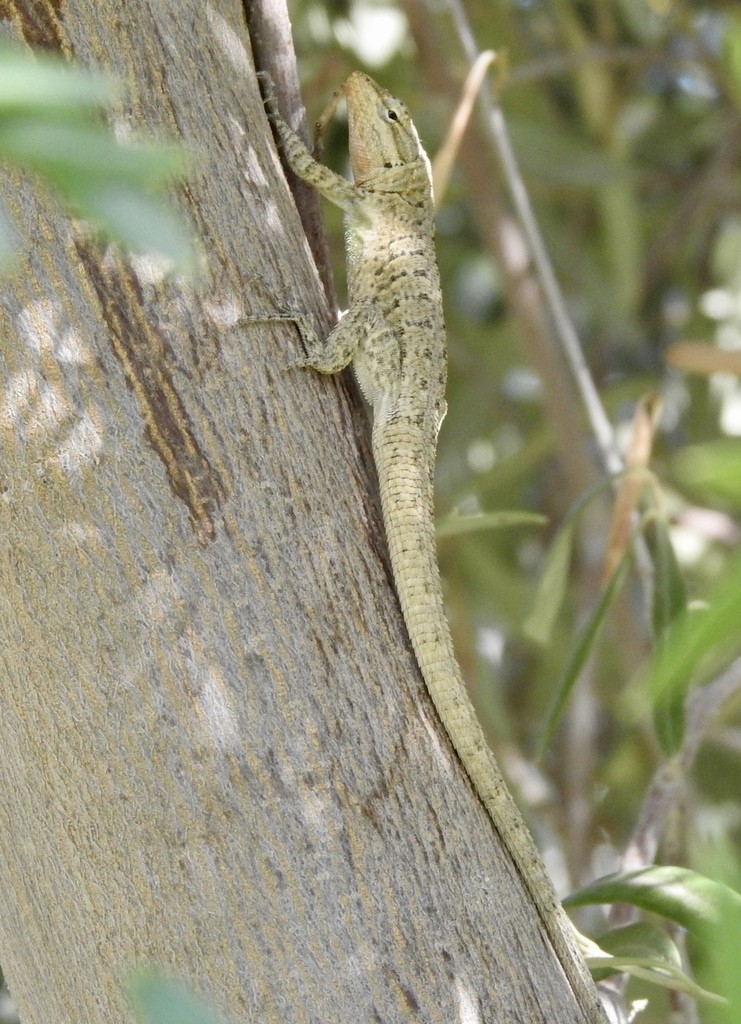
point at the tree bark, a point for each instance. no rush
(217, 756)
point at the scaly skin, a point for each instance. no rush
(394, 336)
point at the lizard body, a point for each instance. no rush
(393, 334)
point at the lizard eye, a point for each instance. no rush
(391, 114)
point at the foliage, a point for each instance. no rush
(605, 630)
(160, 1000)
(51, 124)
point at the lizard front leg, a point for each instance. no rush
(332, 186)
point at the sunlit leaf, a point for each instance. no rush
(687, 897)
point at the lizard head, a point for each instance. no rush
(382, 135)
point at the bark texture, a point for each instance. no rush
(216, 753)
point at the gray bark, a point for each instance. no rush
(217, 756)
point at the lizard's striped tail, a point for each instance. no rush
(404, 456)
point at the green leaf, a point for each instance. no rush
(158, 1000)
(669, 601)
(455, 524)
(50, 124)
(731, 55)
(642, 939)
(716, 961)
(555, 578)
(142, 223)
(698, 641)
(35, 81)
(669, 591)
(582, 651)
(692, 900)
(710, 470)
(76, 156)
(552, 589)
(644, 950)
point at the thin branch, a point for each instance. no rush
(565, 330)
(445, 157)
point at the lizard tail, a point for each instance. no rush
(404, 457)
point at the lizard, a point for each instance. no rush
(393, 335)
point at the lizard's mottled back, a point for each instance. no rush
(394, 335)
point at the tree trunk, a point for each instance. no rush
(217, 756)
